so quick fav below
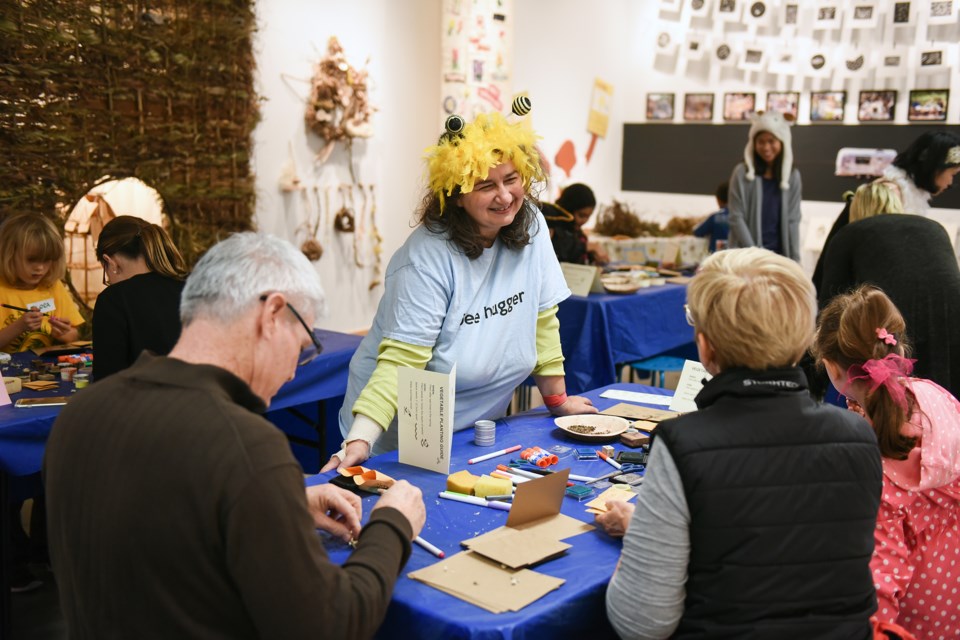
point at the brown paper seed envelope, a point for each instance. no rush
(612, 494)
(538, 499)
(635, 412)
(678, 279)
(519, 548)
(485, 584)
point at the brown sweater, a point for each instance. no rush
(175, 511)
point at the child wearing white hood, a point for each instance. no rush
(915, 561)
(766, 212)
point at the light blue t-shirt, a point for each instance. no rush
(480, 314)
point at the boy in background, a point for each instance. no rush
(717, 225)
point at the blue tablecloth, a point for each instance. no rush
(24, 432)
(575, 610)
(602, 330)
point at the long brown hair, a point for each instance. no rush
(133, 237)
(847, 336)
(462, 230)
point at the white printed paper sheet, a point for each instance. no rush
(425, 405)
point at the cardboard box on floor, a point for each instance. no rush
(491, 574)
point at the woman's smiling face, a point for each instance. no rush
(495, 202)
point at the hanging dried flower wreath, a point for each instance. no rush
(338, 108)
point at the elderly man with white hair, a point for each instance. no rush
(177, 511)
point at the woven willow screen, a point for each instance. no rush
(161, 91)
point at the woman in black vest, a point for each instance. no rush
(757, 512)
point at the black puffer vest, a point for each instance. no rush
(783, 496)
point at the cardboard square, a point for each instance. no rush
(613, 494)
(40, 385)
(76, 346)
(518, 548)
(635, 412)
(559, 527)
(485, 583)
(538, 499)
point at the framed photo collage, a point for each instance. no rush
(924, 105)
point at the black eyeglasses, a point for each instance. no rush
(310, 353)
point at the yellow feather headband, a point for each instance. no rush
(465, 158)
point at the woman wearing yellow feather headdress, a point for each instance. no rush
(476, 285)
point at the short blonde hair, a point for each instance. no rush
(758, 309)
(874, 198)
(27, 235)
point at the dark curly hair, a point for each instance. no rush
(926, 157)
(462, 230)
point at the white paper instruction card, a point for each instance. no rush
(691, 381)
(582, 279)
(425, 417)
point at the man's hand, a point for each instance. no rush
(356, 452)
(617, 518)
(335, 510)
(407, 499)
(574, 406)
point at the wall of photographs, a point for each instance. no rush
(823, 61)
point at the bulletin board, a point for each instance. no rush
(695, 158)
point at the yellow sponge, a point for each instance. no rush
(461, 482)
(490, 486)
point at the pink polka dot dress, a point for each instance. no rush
(916, 562)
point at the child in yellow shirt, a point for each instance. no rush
(37, 310)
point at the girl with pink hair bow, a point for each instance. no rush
(916, 561)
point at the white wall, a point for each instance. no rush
(560, 47)
(402, 42)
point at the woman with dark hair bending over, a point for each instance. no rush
(921, 171)
(140, 310)
(476, 284)
(860, 341)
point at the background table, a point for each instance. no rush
(691, 250)
(24, 432)
(576, 609)
(306, 408)
(601, 331)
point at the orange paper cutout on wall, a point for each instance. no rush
(566, 157)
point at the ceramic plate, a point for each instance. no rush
(592, 427)
(616, 283)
